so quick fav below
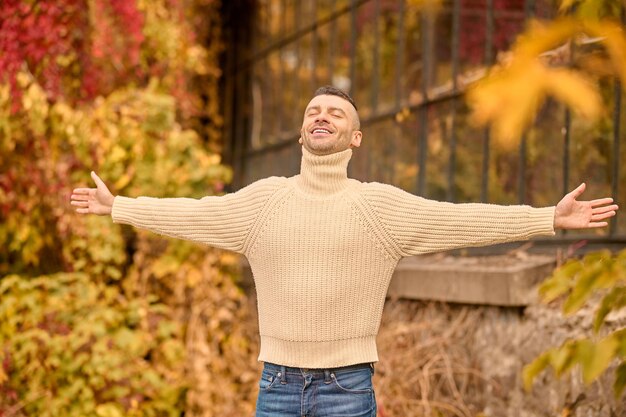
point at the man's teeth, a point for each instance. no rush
(321, 131)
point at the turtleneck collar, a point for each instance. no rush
(323, 174)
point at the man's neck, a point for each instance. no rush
(324, 174)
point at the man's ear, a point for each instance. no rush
(300, 140)
(357, 135)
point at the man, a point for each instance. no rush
(322, 248)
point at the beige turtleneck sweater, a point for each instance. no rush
(322, 248)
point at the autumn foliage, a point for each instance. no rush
(99, 319)
(541, 65)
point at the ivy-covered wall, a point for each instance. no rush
(98, 319)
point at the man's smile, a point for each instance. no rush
(321, 132)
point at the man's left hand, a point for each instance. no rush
(573, 214)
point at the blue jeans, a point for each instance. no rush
(298, 392)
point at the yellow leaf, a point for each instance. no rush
(574, 90)
(108, 410)
(566, 4)
(596, 358)
(122, 181)
(193, 276)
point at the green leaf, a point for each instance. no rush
(620, 380)
(595, 358)
(534, 368)
(562, 359)
(561, 281)
(620, 336)
(614, 300)
(584, 287)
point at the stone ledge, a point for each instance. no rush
(493, 280)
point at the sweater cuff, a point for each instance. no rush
(122, 210)
(541, 221)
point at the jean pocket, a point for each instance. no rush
(355, 382)
(268, 379)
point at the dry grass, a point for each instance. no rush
(426, 367)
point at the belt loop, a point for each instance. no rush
(373, 369)
(283, 375)
(326, 376)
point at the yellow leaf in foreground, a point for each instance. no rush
(511, 95)
(566, 4)
(574, 90)
(122, 181)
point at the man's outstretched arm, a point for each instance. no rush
(573, 214)
(417, 226)
(220, 221)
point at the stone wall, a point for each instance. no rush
(485, 348)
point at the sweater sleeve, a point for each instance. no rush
(220, 221)
(417, 225)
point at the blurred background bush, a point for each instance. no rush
(146, 328)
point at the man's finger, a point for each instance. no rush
(578, 190)
(82, 211)
(604, 209)
(601, 201)
(80, 203)
(97, 180)
(597, 224)
(80, 197)
(602, 216)
(82, 190)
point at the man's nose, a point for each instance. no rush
(322, 117)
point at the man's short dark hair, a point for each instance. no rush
(334, 91)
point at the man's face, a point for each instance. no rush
(329, 126)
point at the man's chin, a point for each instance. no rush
(320, 150)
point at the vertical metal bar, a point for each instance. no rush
(617, 110)
(314, 49)
(490, 22)
(484, 191)
(242, 37)
(456, 22)
(400, 56)
(397, 131)
(529, 8)
(265, 10)
(523, 146)
(229, 84)
(353, 38)
(238, 154)
(297, 88)
(331, 46)
(567, 141)
(426, 56)
(521, 179)
(566, 150)
(376, 64)
(281, 72)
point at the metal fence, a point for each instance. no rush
(408, 69)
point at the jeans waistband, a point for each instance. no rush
(357, 366)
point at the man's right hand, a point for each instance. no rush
(97, 200)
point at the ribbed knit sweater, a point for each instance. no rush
(323, 247)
